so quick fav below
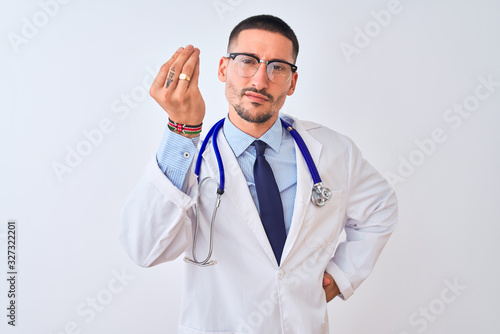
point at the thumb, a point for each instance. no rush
(326, 281)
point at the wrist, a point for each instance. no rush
(190, 136)
(185, 130)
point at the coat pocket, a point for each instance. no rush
(324, 225)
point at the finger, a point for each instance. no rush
(159, 81)
(189, 69)
(326, 281)
(196, 74)
(176, 68)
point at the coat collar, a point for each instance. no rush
(239, 140)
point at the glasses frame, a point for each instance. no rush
(267, 62)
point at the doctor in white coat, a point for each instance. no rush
(248, 290)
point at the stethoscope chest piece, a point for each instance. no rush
(320, 195)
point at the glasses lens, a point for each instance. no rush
(246, 66)
(278, 72)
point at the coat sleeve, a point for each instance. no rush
(156, 220)
(371, 217)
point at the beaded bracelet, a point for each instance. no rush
(183, 128)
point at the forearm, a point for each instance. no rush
(175, 157)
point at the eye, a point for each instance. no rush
(247, 60)
(278, 67)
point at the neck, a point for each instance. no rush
(255, 130)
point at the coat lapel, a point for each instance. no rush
(304, 185)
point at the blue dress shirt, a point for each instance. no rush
(175, 156)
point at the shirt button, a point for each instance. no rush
(280, 274)
(186, 155)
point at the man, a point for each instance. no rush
(278, 263)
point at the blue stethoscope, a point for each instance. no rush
(319, 195)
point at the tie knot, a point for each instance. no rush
(260, 147)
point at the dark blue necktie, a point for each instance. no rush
(271, 208)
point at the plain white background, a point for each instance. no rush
(71, 68)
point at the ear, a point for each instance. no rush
(221, 73)
(295, 76)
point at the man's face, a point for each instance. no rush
(257, 99)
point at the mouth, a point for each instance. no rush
(256, 97)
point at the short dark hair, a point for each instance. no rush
(267, 23)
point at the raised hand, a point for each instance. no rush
(175, 88)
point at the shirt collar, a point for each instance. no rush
(239, 140)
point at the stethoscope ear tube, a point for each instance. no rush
(219, 158)
(305, 152)
(320, 194)
(202, 149)
(212, 133)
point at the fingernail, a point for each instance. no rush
(189, 47)
(180, 49)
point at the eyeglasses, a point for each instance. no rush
(246, 65)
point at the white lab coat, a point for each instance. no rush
(246, 291)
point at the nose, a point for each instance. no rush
(260, 79)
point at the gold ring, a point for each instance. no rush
(184, 76)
